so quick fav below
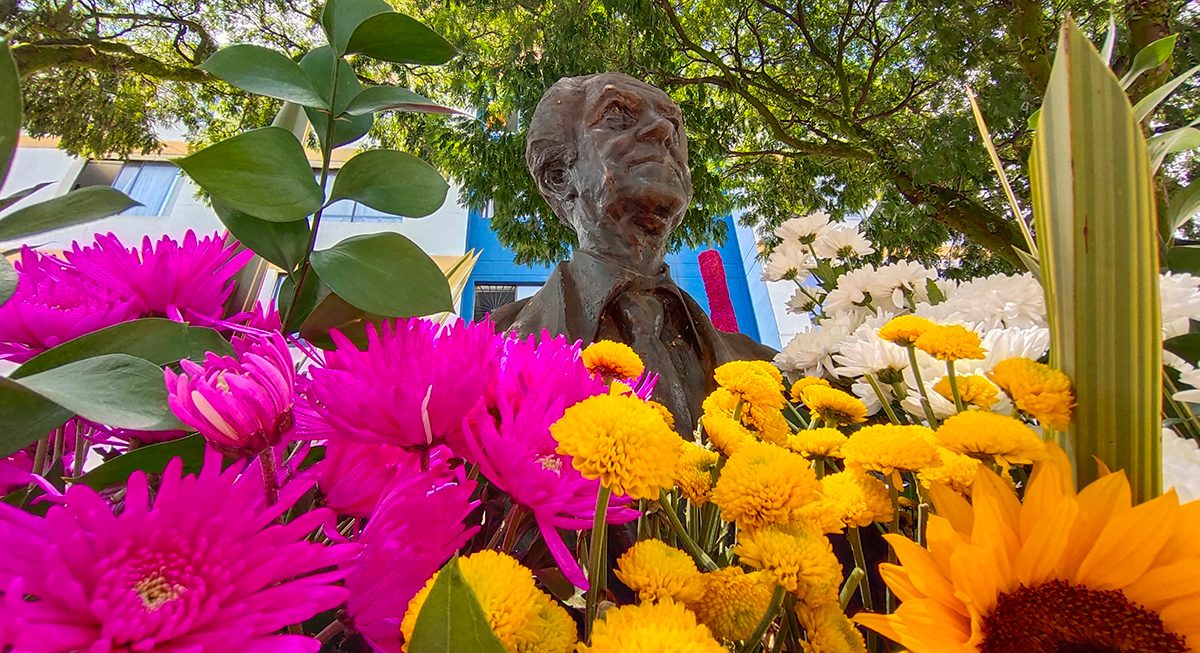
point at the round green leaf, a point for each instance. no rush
(400, 39)
(262, 172)
(391, 181)
(318, 66)
(341, 17)
(264, 71)
(113, 389)
(281, 243)
(28, 416)
(76, 207)
(395, 98)
(385, 274)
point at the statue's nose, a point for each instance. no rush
(656, 127)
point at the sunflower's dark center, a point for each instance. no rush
(1058, 617)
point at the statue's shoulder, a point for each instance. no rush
(506, 315)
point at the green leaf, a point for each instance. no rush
(28, 416)
(1150, 57)
(114, 389)
(451, 619)
(391, 181)
(10, 109)
(151, 459)
(399, 38)
(1184, 203)
(281, 243)
(333, 312)
(76, 207)
(318, 65)
(385, 274)
(1148, 104)
(1110, 41)
(341, 17)
(1176, 140)
(154, 339)
(395, 98)
(313, 293)
(6, 202)
(1186, 346)
(264, 71)
(8, 280)
(1184, 259)
(1094, 205)
(263, 172)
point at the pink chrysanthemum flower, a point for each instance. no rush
(509, 438)
(183, 281)
(241, 405)
(354, 475)
(411, 387)
(418, 524)
(200, 567)
(54, 303)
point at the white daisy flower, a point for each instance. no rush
(789, 260)
(841, 241)
(810, 352)
(853, 291)
(894, 280)
(1180, 298)
(804, 229)
(1181, 466)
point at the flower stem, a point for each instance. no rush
(958, 403)
(912, 361)
(853, 582)
(330, 631)
(801, 418)
(883, 401)
(755, 638)
(82, 445)
(266, 458)
(688, 543)
(596, 559)
(860, 561)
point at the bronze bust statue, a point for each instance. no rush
(609, 154)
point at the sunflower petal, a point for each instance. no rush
(922, 570)
(1127, 545)
(1159, 587)
(1099, 503)
(1048, 485)
(977, 581)
(1184, 542)
(1041, 552)
(1183, 617)
(952, 506)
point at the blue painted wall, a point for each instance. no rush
(751, 304)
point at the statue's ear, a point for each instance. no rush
(555, 182)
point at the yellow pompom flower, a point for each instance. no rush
(828, 630)
(834, 406)
(950, 342)
(764, 484)
(1059, 571)
(557, 628)
(750, 382)
(657, 571)
(887, 448)
(769, 424)
(1039, 390)
(956, 472)
(621, 441)
(693, 473)
(857, 498)
(725, 433)
(664, 411)
(973, 389)
(719, 401)
(822, 442)
(797, 557)
(797, 391)
(1002, 438)
(663, 627)
(615, 360)
(507, 594)
(733, 602)
(905, 330)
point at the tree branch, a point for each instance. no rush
(105, 57)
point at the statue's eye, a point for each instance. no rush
(617, 115)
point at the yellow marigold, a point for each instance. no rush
(950, 342)
(834, 406)
(797, 391)
(858, 498)
(956, 472)
(905, 330)
(733, 602)
(719, 401)
(664, 411)
(764, 484)
(797, 557)
(693, 473)
(973, 389)
(887, 448)
(769, 424)
(823, 516)
(748, 381)
(1040, 390)
(828, 630)
(824, 442)
(663, 627)
(613, 360)
(725, 433)
(1002, 438)
(621, 441)
(557, 628)
(506, 592)
(658, 571)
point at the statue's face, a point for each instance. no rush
(631, 161)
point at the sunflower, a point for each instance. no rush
(614, 360)
(1063, 571)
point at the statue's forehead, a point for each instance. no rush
(601, 87)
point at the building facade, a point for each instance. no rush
(170, 206)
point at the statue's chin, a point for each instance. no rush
(655, 210)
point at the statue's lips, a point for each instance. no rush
(654, 158)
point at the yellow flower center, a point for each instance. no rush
(1064, 618)
(156, 591)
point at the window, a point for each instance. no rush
(490, 296)
(148, 182)
(351, 211)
